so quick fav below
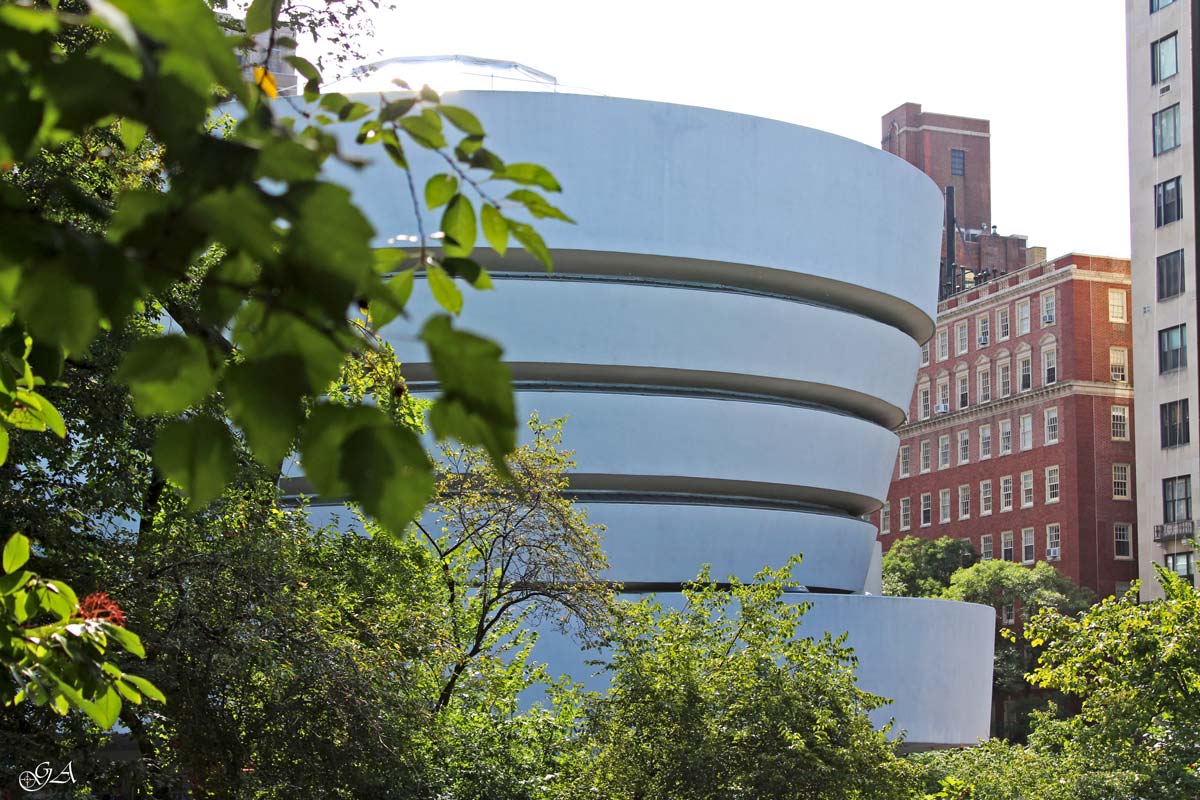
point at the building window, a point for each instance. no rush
(1006, 494)
(1172, 348)
(1022, 317)
(1053, 541)
(964, 447)
(1182, 565)
(905, 513)
(1049, 365)
(1168, 202)
(958, 162)
(943, 340)
(1005, 436)
(1123, 540)
(1171, 280)
(1118, 364)
(943, 396)
(944, 506)
(925, 465)
(985, 547)
(963, 390)
(1050, 418)
(1116, 306)
(964, 502)
(983, 330)
(1177, 498)
(1005, 378)
(1051, 484)
(1156, 5)
(943, 451)
(1006, 545)
(923, 402)
(1120, 482)
(1025, 372)
(1027, 548)
(1008, 616)
(1026, 431)
(1173, 422)
(985, 498)
(1164, 61)
(885, 519)
(1002, 324)
(985, 442)
(1120, 423)
(1166, 129)
(925, 355)
(1027, 489)
(926, 510)
(960, 338)
(1049, 308)
(983, 380)
(905, 461)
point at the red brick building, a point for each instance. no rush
(1020, 432)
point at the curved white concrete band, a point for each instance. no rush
(732, 341)
(933, 658)
(679, 182)
(806, 455)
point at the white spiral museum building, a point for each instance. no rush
(733, 330)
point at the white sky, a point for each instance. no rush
(1049, 74)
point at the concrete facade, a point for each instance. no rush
(732, 348)
(1162, 116)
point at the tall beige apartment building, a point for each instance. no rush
(1163, 213)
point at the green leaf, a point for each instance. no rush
(166, 374)
(197, 454)
(359, 451)
(261, 16)
(127, 639)
(16, 553)
(264, 397)
(537, 205)
(423, 132)
(391, 144)
(444, 290)
(468, 270)
(476, 404)
(390, 299)
(146, 687)
(462, 119)
(132, 133)
(530, 175)
(439, 189)
(396, 109)
(495, 229)
(104, 712)
(127, 691)
(304, 67)
(58, 307)
(532, 241)
(458, 224)
(3, 444)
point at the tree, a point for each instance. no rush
(233, 233)
(1135, 670)
(512, 552)
(1023, 591)
(723, 699)
(916, 567)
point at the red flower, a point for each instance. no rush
(98, 605)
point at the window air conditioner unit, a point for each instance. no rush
(1047, 319)
(1052, 553)
(941, 408)
(983, 339)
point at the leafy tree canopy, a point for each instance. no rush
(916, 567)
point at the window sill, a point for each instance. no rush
(1053, 502)
(1122, 558)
